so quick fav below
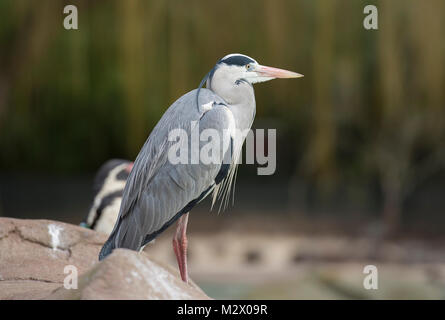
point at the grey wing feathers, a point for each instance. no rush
(156, 190)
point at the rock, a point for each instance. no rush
(126, 274)
(34, 254)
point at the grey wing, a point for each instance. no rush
(157, 191)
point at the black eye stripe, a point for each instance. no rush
(239, 81)
(237, 61)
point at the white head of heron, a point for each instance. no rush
(237, 70)
(248, 69)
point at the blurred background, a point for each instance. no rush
(360, 173)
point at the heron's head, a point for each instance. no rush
(237, 71)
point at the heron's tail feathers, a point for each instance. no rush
(126, 234)
(108, 247)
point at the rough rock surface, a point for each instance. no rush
(126, 274)
(34, 253)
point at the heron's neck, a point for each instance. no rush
(241, 101)
(243, 113)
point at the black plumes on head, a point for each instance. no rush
(236, 60)
(209, 75)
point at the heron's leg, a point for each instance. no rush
(176, 249)
(180, 246)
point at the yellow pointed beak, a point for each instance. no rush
(276, 73)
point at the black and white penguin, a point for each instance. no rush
(108, 186)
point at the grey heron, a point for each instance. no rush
(158, 192)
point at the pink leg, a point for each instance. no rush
(180, 246)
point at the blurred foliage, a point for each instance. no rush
(370, 110)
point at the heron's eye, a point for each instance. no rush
(248, 66)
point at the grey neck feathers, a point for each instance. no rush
(241, 101)
(238, 95)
